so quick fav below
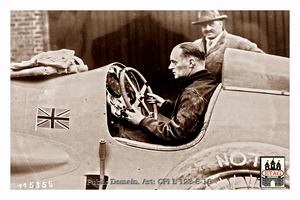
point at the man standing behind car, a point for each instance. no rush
(215, 40)
(186, 114)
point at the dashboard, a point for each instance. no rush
(115, 100)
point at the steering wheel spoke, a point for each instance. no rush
(143, 89)
(143, 105)
(131, 84)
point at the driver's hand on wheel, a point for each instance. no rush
(133, 117)
(153, 98)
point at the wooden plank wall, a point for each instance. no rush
(144, 39)
(269, 29)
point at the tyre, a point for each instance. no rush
(228, 166)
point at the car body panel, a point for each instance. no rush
(245, 116)
(234, 115)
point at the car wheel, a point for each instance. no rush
(227, 166)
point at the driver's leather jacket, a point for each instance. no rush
(186, 114)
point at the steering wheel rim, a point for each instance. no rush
(138, 92)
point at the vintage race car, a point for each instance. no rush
(64, 131)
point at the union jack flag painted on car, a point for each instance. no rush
(54, 118)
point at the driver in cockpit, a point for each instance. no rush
(186, 114)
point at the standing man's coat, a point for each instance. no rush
(214, 57)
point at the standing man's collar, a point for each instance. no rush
(214, 41)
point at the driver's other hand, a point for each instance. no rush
(133, 117)
(153, 98)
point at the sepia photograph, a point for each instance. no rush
(150, 99)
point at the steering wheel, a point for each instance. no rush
(139, 93)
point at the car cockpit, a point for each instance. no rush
(126, 87)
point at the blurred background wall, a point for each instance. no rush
(29, 34)
(140, 39)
